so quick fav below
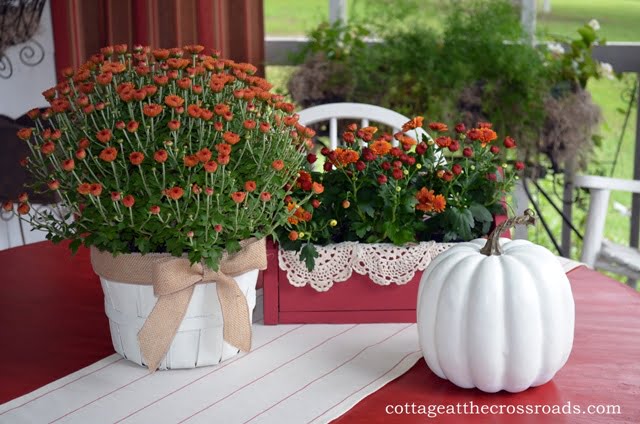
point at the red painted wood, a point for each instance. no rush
(341, 296)
(52, 319)
(603, 369)
(51, 308)
(357, 300)
(270, 286)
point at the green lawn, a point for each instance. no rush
(619, 20)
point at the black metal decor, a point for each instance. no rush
(19, 20)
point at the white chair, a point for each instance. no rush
(365, 113)
(596, 251)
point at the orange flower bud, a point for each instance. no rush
(210, 166)
(25, 133)
(238, 196)
(104, 136)
(109, 154)
(84, 189)
(23, 209)
(96, 189)
(128, 201)
(69, 164)
(265, 196)
(175, 193)
(136, 158)
(161, 156)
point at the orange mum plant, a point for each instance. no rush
(404, 188)
(163, 151)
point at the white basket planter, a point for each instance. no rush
(199, 339)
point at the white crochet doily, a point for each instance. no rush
(384, 263)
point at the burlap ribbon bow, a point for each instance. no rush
(173, 281)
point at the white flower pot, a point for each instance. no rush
(199, 339)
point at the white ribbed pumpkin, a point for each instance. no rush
(498, 322)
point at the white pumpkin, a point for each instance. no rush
(498, 322)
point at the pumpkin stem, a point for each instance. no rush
(492, 247)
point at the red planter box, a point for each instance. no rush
(357, 300)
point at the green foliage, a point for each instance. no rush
(156, 152)
(576, 65)
(476, 68)
(337, 42)
(423, 189)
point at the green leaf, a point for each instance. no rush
(588, 34)
(367, 209)
(232, 246)
(361, 229)
(75, 245)
(308, 254)
(480, 213)
(463, 222)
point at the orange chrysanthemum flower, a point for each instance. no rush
(48, 147)
(211, 166)
(204, 155)
(104, 136)
(96, 189)
(173, 100)
(231, 137)
(430, 202)
(346, 156)
(109, 154)
(223, 149)
(25, 133)
(84, 189)
(136, 158)
(487, 135)
(194, 111)
(190, 161)
(380, 147)
(413, 124)
(438, 126)
(175, 193)
(238, 196)
(152, 110)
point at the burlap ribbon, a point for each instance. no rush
(173, 281)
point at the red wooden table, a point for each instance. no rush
(52, 323)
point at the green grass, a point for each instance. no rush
(618, 18)
(619, 21)
(293, 17)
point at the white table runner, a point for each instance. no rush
(294, 374)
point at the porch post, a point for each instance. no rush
(337, 11)
(567, 206)
(528, 18)
(635, 202)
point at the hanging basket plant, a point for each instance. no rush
(19, 21)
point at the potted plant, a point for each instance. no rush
(171, 165)
(388, 205)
